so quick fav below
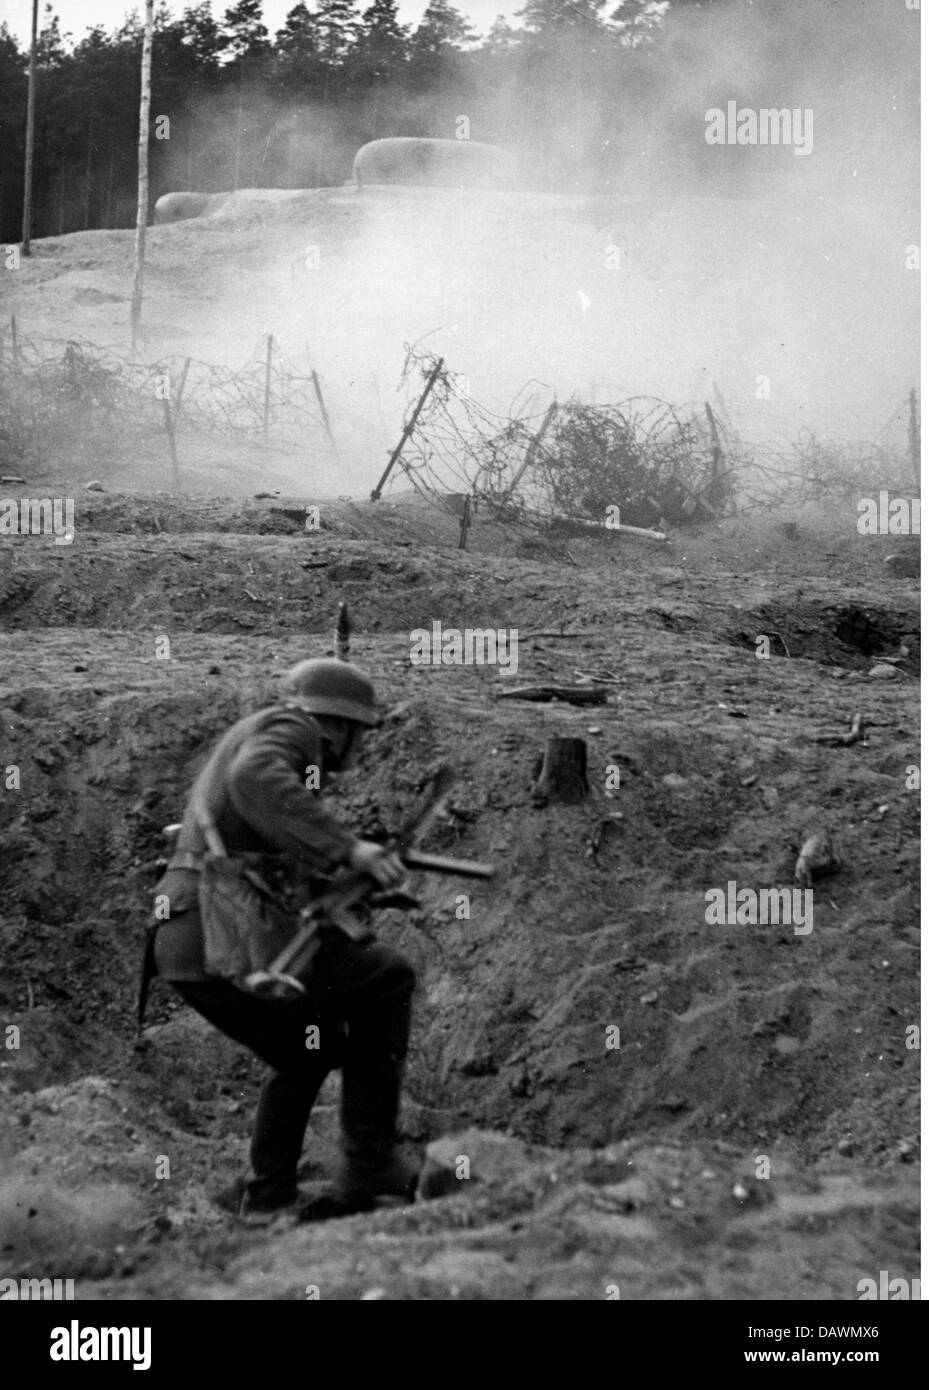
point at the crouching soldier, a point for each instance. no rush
(256, 802)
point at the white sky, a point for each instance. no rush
(77, 16)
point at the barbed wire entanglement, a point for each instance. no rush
(77, 401)
(653, 461)
(69, 405)
(457, 443)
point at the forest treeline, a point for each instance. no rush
(235, 106)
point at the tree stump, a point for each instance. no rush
(563, 775)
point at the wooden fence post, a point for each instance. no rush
(408, 429)
(465, 524)
(914, 435)
(343, 633)
(323, 411)
(171, 424)
(533, 448)
(267, 409)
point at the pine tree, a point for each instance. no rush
(381, 49)
(245, 39)
(299, 32)
(201, 36)
(337, 25)
(438, 63)
(50, 44)
(13, 65)
(636, 20)
(502, 39)
(298, 63)
(245, 36)
(443, 30)
(545, 16)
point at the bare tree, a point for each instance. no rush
(141, 221)
(30, 136)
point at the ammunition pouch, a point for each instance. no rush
(246, 924)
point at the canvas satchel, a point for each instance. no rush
(245, 923)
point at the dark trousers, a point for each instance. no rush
(354, 1016)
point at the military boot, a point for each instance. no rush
(363, 1179)
(284, 1107)
(259, 1208)
(372, 1165)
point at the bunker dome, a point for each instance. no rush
(447, 163)
(176, 207)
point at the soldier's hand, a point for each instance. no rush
(381, 864)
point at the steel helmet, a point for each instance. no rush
(326, 686)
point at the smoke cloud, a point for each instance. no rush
(633, 256)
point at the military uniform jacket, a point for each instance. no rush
(254, 789)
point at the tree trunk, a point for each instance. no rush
(141, 221)
(236, 172)
(563, 774)
(109, 192)
(88, 175)
(30, 136)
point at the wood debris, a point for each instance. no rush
(816, 859)
(856, 734)
(572, 694)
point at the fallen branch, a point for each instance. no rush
(642, 531)
(856, 734)
(573, 694)
(605, 679)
